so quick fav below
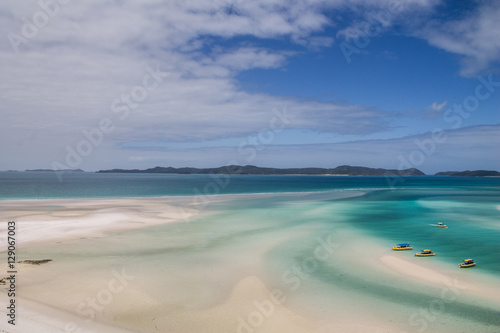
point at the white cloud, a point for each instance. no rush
(249, 57)
(372, 18)
(467, 148)
(436, 107)
(434, 110)
(66, 76)
(461, 149)
(476, 38)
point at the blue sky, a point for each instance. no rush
(128, 84)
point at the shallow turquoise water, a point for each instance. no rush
(197, 263)
(472, 217)
(272, 235)
(405, 213)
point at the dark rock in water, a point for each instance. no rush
(34, 261)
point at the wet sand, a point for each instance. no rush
(121, 265)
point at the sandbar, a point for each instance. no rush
(246, 301)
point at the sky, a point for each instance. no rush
(129, 84)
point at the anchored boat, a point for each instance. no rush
(467, 263)
(425, 253)
(401, 247)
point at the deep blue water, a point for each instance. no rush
(42, 185)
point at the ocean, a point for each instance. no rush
(44, 185)
(281, 234)
(398, 212)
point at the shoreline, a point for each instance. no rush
(444, 278)
(48, 222)
(40, 222)
(181, 198)
(74, 218)
(77, 219)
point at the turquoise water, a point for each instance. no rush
(404, 213)
(269, 235)
(472, 217)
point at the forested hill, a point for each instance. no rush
(469, 173)
(254, 170)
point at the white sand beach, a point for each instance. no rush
(48, 221)
(96, 285)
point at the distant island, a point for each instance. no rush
(50, 170)
(344, 170)
(469, 173)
